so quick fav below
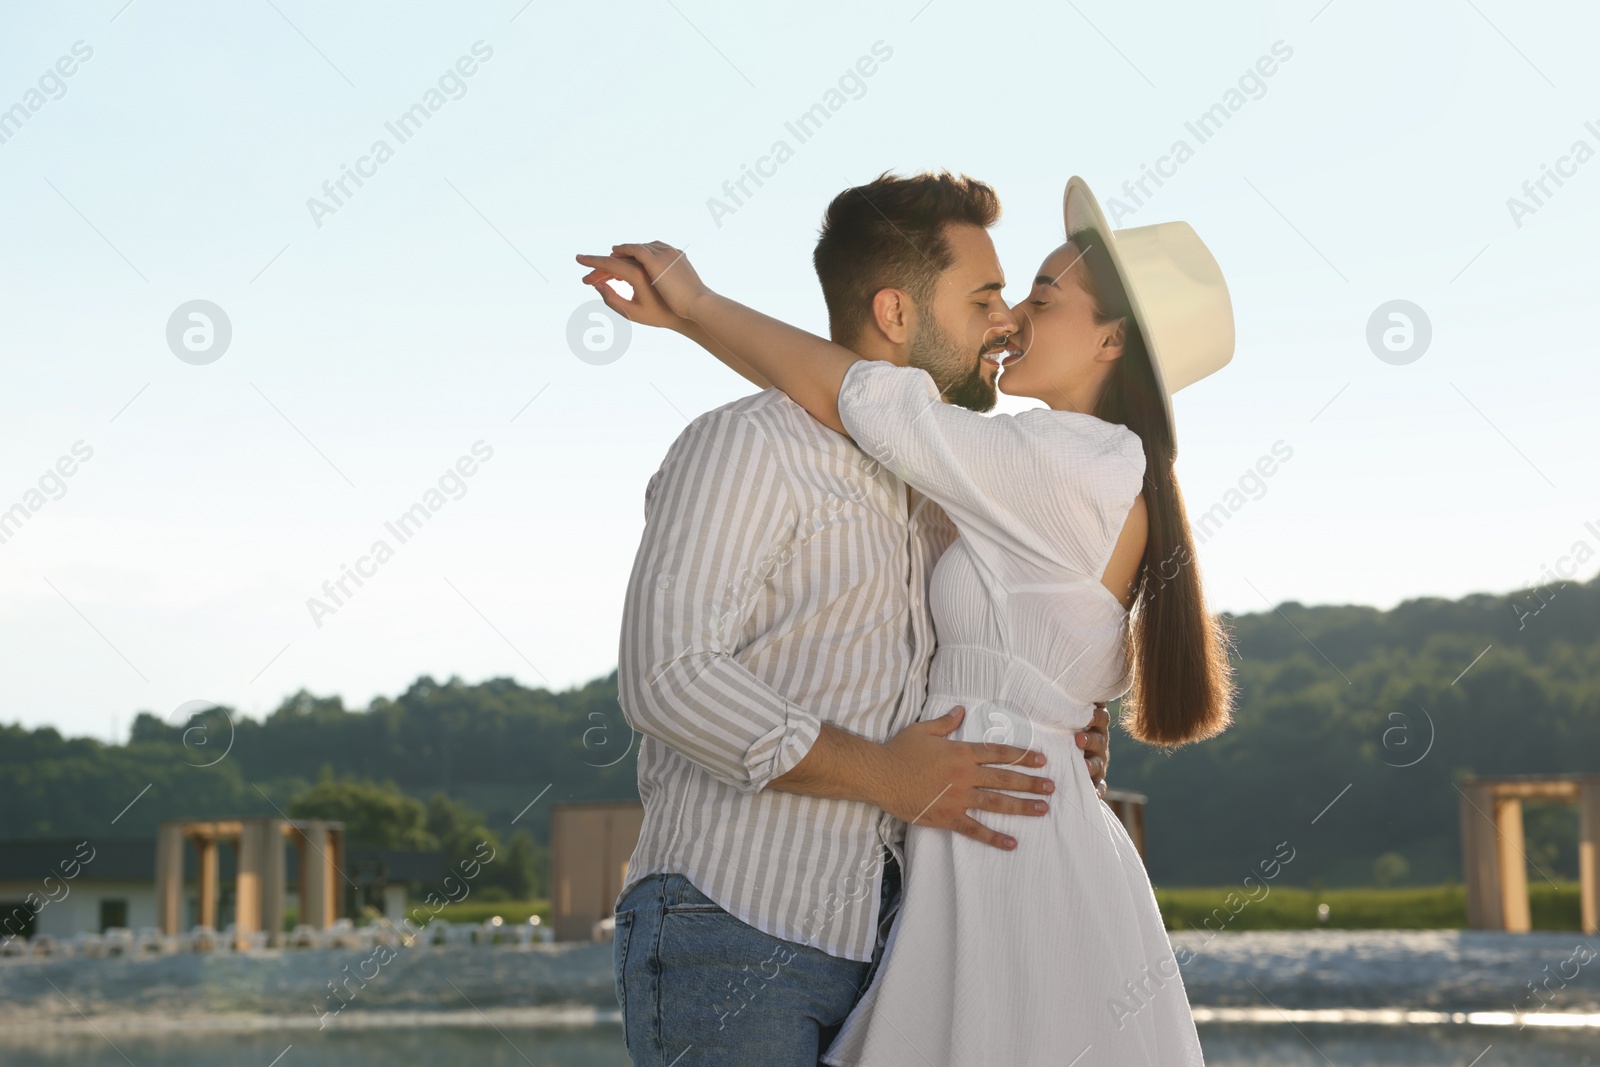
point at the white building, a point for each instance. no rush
(66, 886)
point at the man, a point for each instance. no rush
(775, 648)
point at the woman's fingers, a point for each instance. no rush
(624, 269)
(645, 300)
(600, 277)
(617, 302)
(656, 257)
(644, 254)
(640, 255)
(649, 268)
(619, 262)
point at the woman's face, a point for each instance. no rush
(1064, 355)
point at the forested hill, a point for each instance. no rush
(1395, 705)
(1376, 713)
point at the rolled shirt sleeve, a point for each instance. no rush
(719, 517)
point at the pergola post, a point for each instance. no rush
(272, 876)
(1513, 862)
(315, 907)
(1494, 859)
(1589, 854)
(206, 882)
(169, 877)
(335, 839)
(259, 886)
(247, 885)
(1129, 807)
(1480, 857)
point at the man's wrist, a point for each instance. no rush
(840, 765)
(874, 774)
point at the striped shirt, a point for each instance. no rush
(781, 582)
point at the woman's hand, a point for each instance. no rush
(670, 274)
(674, 279)
(769, 353)
(647, 308)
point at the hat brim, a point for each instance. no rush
(1082, 212)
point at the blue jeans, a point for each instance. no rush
(691, 976)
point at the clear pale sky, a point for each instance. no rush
(373, 344)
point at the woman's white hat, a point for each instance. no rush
(1175, 288)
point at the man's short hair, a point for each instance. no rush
(890, 233)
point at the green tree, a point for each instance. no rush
(372, 813)
(1390, 868)
(1353, 728)
(460, 832)
(523, 873)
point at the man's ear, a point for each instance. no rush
(891, 313)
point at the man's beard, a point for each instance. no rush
(960, 382)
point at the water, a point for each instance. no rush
(478, 1046)
(1319, 1045)
(1315, 998)
(1226, 1045)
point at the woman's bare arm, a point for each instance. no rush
(807, 367)
(697, 333)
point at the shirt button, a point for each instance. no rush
(664, 582)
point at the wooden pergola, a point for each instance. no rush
(259, 886)
(590, 844)
(592, 841)
(1129, 810)
(1494, 856)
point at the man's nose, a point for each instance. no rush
(1003, 321)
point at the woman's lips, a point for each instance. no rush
(1003, 357)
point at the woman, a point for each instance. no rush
(1075, 562)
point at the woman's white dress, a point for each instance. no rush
(1054, 952)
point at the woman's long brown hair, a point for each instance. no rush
(1182, 680)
